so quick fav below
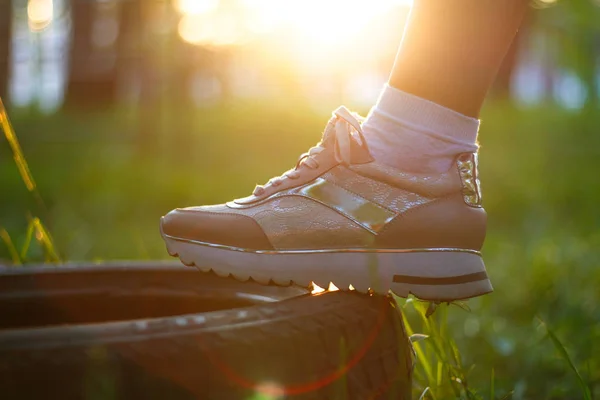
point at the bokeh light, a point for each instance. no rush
(39, 14)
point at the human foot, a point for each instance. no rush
(340, 216)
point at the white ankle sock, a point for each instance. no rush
(417, 135)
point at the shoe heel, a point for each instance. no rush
(440, 275)
(444, 293)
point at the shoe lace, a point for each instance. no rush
(339, 132)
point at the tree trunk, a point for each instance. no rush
(129, 41)
(93, 73)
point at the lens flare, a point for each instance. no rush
(269, 391)
(263, 389)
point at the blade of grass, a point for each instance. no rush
(565, 356)
(421, 362)
(28, 239)
(11, 137)
(43, 236)
(11, 247)
(440, 366)
(431, 327)
(443, 347)
(457, 367)
(422, 396)
(35, 225)
(421, 356)
(417, 337)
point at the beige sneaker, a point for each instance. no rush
(341, 217)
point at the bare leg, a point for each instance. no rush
(452, 50)
(449, 56)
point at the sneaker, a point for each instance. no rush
(339, 216)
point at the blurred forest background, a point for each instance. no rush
(126, 109)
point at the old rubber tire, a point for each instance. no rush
(168, 332)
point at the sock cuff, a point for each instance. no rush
(425, 115)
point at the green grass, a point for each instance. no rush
(106, 177)
(35, 228)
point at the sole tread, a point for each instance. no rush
(282, 282)
(424, 288)
(358, 287)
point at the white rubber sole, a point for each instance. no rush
(429, 274)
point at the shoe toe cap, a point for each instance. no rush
(212, 227)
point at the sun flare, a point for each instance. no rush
(195, 7)
(312, 23)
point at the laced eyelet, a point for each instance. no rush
(338, 133)
(302, 158)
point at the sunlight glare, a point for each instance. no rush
(307, 24)
(317, 289)
(322, 22)
(39, 14)
(216, 30)
(195, 7)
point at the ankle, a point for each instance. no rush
(415, 134)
